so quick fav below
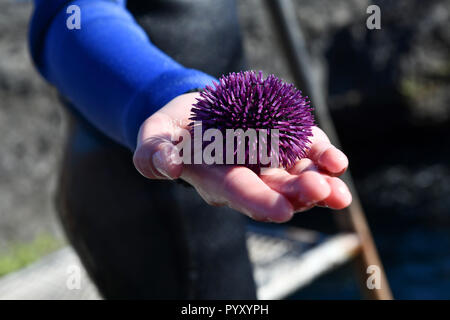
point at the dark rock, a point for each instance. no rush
(402, 68)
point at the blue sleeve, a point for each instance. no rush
(111, 72)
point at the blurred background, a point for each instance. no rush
(389, 96)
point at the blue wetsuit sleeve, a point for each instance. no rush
(109, 70)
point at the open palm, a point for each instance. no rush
(274, 196)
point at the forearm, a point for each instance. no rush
(108, 69)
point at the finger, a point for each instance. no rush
(301, 166)
(156, 157)
(319, 135)
(325, 155)
(340, 196)
(303, 190)
(246, 191)
(328, 158)
(240, 189)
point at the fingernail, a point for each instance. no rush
(345, 194)
(341, 157)
(160, 164)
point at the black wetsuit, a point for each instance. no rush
(141, 238)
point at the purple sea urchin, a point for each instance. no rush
(245, 100)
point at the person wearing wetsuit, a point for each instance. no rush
(130, 65)
(139, 238)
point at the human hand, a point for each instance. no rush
(273, 196)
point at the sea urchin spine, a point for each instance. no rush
(246, 100)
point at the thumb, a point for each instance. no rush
(156, 157)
